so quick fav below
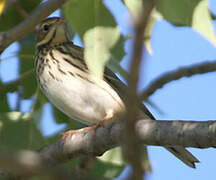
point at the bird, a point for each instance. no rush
(67, 82)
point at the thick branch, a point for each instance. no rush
(200, 134)
(27, 164)
(195, 69)
(163, 133)
(28, 25)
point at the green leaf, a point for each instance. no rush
(106, 170)
(99, 41)
(177, 12)
(148, 32)
(194, 13)
(11, 16)
(113, 161)
(38, 107)
(60, 117)
(202, 21)
(4, 101)
(113, 156)
(116, 68)
(94, 13)
(14, 84)
(134, 6)
(93, 168)
(118, 49)
(97, 27)
(27, 63)
(39, 100)
(18, 131)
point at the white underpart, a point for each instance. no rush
(78, 98)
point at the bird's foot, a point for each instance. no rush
(94, 127)
(72, 132)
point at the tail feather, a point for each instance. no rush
(184, 155)
(180, 152)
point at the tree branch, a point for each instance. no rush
(12, 85)
(130, 141)
(26, 164)
(200, 134)
(28, 25)
(195, 69)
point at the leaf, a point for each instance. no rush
(99, 41)
(13, 85)
(111, 161)
(2, 6)
(106, 170)
(116, 68)
(39, 100)
(4, 106)
(11, 17)
(91, 13)
(29, 84)
(134, 6)
(96, 26)
(94, 168)
(148, 32)
(177, 12)
(194, 13)
(118, 49)
(60, 117)
(18, 131)
(202, 21)
(37, 109)
(113, 156)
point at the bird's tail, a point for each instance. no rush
(184, 155)
(180, 152)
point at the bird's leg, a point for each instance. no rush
(109, 115)
(71, 132)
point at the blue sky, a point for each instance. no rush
(189, 98)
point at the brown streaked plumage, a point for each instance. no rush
(65, 79)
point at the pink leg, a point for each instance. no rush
(71, 132)
(109, 115)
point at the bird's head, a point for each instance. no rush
(52, 31)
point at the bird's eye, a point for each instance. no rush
(45, 27)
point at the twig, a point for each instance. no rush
(131, 143)
(20, 10)
(28, 25)
(12, 85)
(29, 56)
(192, 70)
